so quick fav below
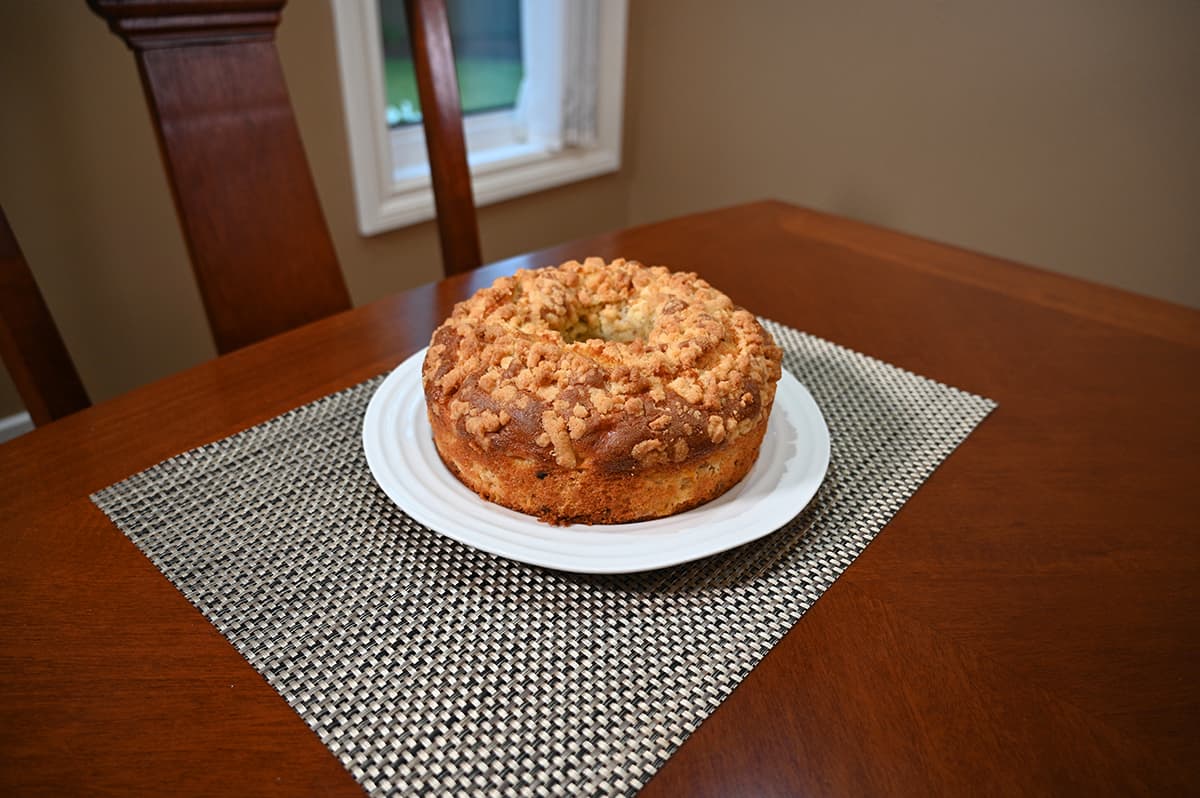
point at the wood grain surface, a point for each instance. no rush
(1029, 623)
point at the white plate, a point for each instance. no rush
(399, 447)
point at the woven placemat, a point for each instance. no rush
(428, 667)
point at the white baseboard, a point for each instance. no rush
(14, 425)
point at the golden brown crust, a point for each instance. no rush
(600, 393)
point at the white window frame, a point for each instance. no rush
(389, 198)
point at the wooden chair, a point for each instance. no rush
(258, 241)
(437, 86)
(30, 343)
(246, 200)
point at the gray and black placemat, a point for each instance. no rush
(428, 667)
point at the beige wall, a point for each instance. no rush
(1063, 134)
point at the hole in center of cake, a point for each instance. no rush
(621, 323)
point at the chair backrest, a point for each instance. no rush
(246, 200)
(30, 344)
(259, 245)
(437, 86)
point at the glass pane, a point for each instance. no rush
(487, 53)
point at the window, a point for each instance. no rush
(487, 49)
(542, 88)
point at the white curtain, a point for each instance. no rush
(561, 51)
(580, 70)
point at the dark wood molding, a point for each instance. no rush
(145, 24)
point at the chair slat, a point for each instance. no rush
(437, 86)
(259, 244)
(30, 343)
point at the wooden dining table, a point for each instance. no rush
(1027, 623)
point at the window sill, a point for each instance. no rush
(410, 199)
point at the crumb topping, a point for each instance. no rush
(615, 364)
